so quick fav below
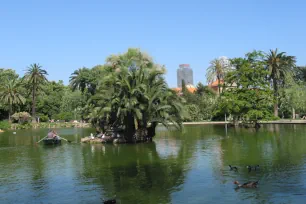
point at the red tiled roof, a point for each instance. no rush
(191, 89)
(215, 83)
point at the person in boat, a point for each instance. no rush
(52, 135)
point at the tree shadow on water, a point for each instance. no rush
(137, 173)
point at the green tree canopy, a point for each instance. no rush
(250, 98)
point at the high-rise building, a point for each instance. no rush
(184, 72)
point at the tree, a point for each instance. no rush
(134, 95)
(79, 79)
(280, 67)
(73, 102)
(35, 76)
(5, 75)
(11, 95)
(250, 99)
(49, 101)
(204, 90)
(293, 98)
(300, 74)
(194, 113)
(216, 71)
(86, 79)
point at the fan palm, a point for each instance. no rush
(35, 76)
(281, 67)
(10, 95)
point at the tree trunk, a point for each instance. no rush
(151, 131)
(275, 109)
(275, 98)
(10, 113)
(218, 86)
(129, 130)
(33, 104)
(293, 113)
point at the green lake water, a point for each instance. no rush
(178, 167)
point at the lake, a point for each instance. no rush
(178, 167)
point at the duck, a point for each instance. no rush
(233, 168)
(110, 201)
(250, 168)
(249, 184)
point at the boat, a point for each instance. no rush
(51, 141)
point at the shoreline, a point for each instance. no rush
(284, 121)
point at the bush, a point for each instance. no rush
(194, 114)
(66, 116)
(43, 118)
(22, 117)
(4, 125)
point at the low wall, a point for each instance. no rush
(261, 122)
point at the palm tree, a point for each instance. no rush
(86, 79)
(10, 94)
(281, 67)
(133, 94)
(35, 76)
(217, 71)
(79, 79)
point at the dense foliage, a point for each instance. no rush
(129, 92)
(133, 95)
(53, 100)
(248, 96)
(253, 88)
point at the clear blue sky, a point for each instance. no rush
(63, 35)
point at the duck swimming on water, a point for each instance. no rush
(250, 168)
(249, 184)
(233, 168)
(111, 201)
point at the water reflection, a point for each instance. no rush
(178, 167)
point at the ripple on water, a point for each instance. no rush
(191, 167)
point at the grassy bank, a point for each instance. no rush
(5, 125)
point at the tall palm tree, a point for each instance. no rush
(35, 76)
(281, 67)
(217, 71)
(10, 94)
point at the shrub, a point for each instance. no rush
(66, 116)
(22, 117)
(4, 124)
(194, 114)
(43, 118)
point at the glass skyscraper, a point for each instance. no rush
(184, 72)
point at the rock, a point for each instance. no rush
(90, 140)
(119, 141)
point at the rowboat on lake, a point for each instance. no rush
(52, 141)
